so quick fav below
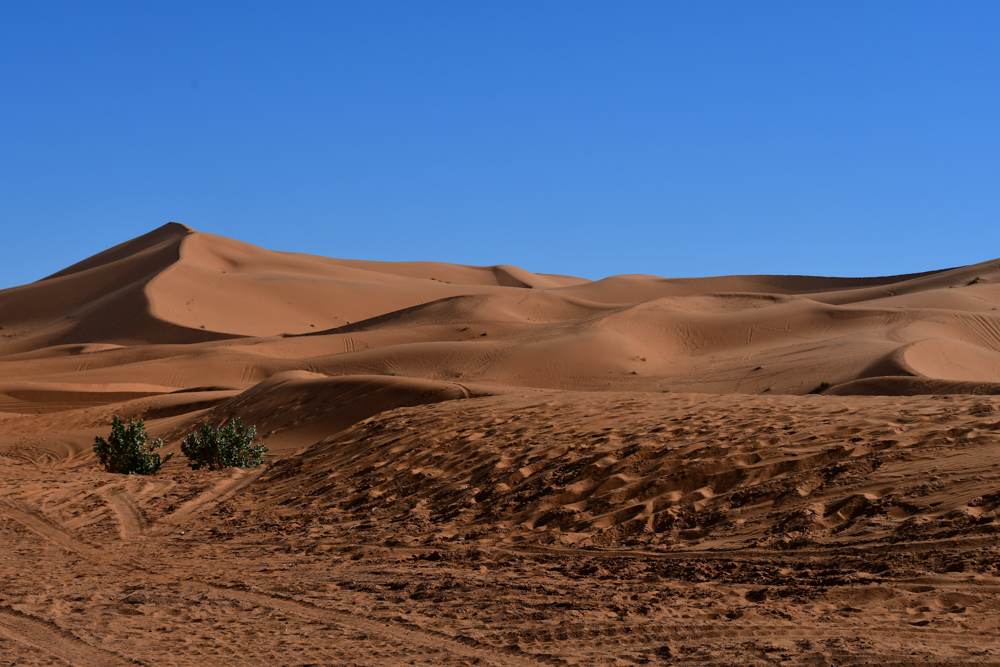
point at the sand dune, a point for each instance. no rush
(505, 325)
(223, 285)
(485, 465)
(298, 406)
(664, 472)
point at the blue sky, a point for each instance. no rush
(588, 138)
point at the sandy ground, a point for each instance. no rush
(482, 465)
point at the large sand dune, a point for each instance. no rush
(499, 325)
(484, 465)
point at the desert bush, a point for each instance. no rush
(228, 447)
(129, 450)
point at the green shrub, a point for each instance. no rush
(129, 450)
(228, 447)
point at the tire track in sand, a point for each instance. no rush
(408, 634)
(50, 638)
(129, 518)
(218, 492)
(49, 531)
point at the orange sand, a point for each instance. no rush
(482, 465)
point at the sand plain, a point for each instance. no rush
(484, 465)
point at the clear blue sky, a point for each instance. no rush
(590, 138)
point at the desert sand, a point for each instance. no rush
(484, 465)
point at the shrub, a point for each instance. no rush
(227, 447)
(129, 450)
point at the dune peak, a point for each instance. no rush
(176, 227)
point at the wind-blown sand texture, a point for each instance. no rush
(483, 465)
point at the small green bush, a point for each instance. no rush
(228, 447)
(129, 450)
